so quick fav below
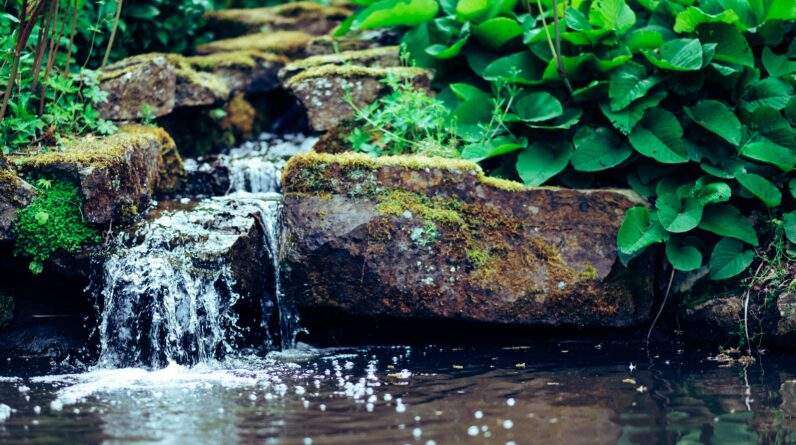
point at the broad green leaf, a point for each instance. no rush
(781, 10)
(538, 106)
(444, 52)
(764, 150)
(792, 187)
(614, 15)
(467, 10)
(760, 187)
(677, 55)
(598, 149)
(389, 13)
(726, 220)
(682, 255)
(465, 92)
(678, 215)
(567, 120)
(731, 45)
(729, 259)
(541, 161)
(649, 37)
(770, 123)
(660, 136)
(628, 83)
(777, 65)
(640, 229)
(710, 193)
(415, 41)
(498, 31)
(717, 118)
(520, 68)
(626, 119)
(789, 224)
(690, 18)
(769, 92)
(496, 147)
(573, 66)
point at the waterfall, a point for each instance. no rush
(169, 287)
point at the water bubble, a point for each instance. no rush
(508, 424)
(417, 432)
(510, 401)
(37, 409)
(478, 414)
(472, 431)
(307, 441)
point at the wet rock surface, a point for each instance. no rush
(187, 285)
(422, 238)
(15, 193)
(117, 175)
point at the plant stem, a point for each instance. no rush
(660, 310)
(113, 32)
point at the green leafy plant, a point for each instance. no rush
(689, 103)
(44, 98)
(407, 120)
(52, 222)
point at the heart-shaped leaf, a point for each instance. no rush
(538, 106)
(628, 83)
(729, 258)
(387, 13)
(498, 31)
(717, 118)
(541, 161)
(640, 229)
(764, 150)
(496, 147)
(726, 220)
(677, 55)
(659, 135)
(760, 187)
(598, 149)
(683, 256)
(789, 224)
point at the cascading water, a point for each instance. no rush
(169, 287)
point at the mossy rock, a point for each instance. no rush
(306, 16)
(386, 56)
(291, 44)
(117, 175)
(15, 194)
(327, 92)
(432, 238)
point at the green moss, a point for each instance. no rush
(438, 210)
(51, 222)
(353, 71)
(94, 152)
(346, 57)
(478, 257)
(279, 42)
(233, 59)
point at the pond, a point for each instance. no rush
(562, 391)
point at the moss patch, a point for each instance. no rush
(354, 71)
(233, 59)
(91, 151)
(438, 210)
(52, 222)
(280, 42)
(344, 57)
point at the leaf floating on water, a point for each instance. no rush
(630, 381)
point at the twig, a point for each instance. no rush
(660, 310)
(746, 308)
(25, 29)
(113, 32)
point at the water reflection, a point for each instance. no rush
(551, 393)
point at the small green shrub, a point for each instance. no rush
(63, 102)
(688, 102)
(407, 120)
(52, 222)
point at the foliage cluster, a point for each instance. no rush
(407, 120)
(51, 222)
(688, 102)
(143, 26)
(45, 94)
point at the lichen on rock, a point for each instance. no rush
(431, 238)
(385, 56)
(15, 193)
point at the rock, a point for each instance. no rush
(428, 238)
(324, 90)
(156, 84)
(291, 44)
(117, 175)
(248, 71)
(324, 45)
(385, 56)
(187, 284)
(310, 17)
(15, 193)
(716, 320)
(136, 83)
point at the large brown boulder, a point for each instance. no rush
(428, 238)
(310, 17)
(327, 92)
(117, 175)
(15, 193)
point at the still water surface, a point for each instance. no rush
(550, 392)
